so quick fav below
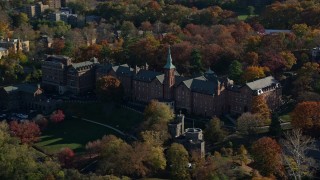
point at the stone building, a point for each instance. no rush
(61, 75)
(25, 97)
(15, 44)
(190, 138)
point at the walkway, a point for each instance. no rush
(107, 126)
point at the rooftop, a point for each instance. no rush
(262, 83)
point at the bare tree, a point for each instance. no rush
(295, 147)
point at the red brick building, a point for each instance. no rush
(206, 95)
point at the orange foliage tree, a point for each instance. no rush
(260, 107)
(252, 73)
(306, 115)
(267, 156)
(109, 88)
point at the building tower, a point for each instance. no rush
(169, 79)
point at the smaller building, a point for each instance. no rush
(15, 44)
(25, 97)
(190, 138)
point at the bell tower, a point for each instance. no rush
(169, 79)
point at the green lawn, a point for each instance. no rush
(244, 17)
(109, 114)
(75, 133)
(72, 133)
(285, 118)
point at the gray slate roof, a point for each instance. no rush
(201, 85)
(262, 83)
(148, 76)
(123, 69)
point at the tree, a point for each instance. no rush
(178, 162)
(109, 88)
(266, 153)
(196, 61)
(250, 10)
(306, 116)
(295, 148)
(157, 112)
(260, 107)
(20, 161)
(93, 147)
(235, 71)
(213, 132)
(66, 156)
(57, 116)
(115, 156)
(41, 121)
(28, 132)
(275, 126)
(247, 123)
(252, 73)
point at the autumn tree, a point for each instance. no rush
(214, 132)
(178, 162)
(295, 154)
(58, 45)
(306, 78)
(93, 147)
(260, 107)
(57, 116)
(306, 116)
(235, 71)
(20, 161)
(28, 132)
(66, 156)
(115, 156)
(266, 153)
(252, 73)
(247, 123)
(109, 88)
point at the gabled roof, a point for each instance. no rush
(148, 76)
(123, 69)
(262, 83)
(201, 85)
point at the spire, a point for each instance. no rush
(169, 64)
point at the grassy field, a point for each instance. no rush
(285, 118)
(109, 114)
(75, 133)
(72, 133)
(244, 17)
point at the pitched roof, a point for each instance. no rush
(148, 76)
(123, 69)
(169, 64)
(201, 85)
(262, 83)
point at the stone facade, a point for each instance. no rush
(61, 75)
(15, 44)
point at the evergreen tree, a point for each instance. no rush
(197, 67)
(275, 127)
(235, 70)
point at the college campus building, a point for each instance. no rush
(59, 74)
(206, 95)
